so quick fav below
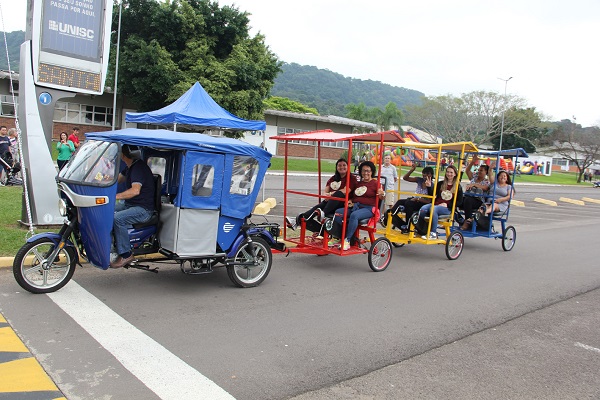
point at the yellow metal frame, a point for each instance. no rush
(406, 238)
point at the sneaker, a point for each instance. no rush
(290, 223)
(345, 245)
(404, 228)
(333, 242)
(432, 236)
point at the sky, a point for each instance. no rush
(437, 47)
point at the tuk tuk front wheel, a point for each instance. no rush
(251, 275)
(35, 273)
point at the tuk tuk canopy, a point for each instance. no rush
(165, 139)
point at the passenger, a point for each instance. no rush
(412, 204)
(443, 200)
(390, 173)
(479, 184)
(335, 187)
(503, 192)
(138, 206)
(364, 202)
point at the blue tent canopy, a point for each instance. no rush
(196, 107)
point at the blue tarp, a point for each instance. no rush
(196, 107)
(164, 139)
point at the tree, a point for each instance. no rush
(285, 104)
(523, 128)
(358, 111)
(386, 118)
(474, 117)
(167, 46)
(390, 116)
(581, 146)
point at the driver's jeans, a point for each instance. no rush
(125, 217)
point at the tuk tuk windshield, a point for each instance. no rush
(95, 163)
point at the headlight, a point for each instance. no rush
(62, 207)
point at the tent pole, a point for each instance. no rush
(175, 127)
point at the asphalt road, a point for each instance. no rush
(492, 324)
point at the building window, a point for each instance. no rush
(560, 161)
(75, 113)
(6, 105)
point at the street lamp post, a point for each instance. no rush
(114, 121)
(503, 110)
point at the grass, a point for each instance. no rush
(12, 236)
(311, 165)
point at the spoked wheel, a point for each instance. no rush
(454, 245)
(380, 254)
(35, 273)
(251, 275)
(509, 237)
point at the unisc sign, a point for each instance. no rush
(71, 45)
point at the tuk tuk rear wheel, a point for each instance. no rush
(31, 273)
(251, 275)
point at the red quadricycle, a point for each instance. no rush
(317, 231)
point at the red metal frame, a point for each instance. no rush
(319, 245)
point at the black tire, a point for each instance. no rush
(255, 274)
(28, 267)
(454, 245)
(509, 238)
(380, 254)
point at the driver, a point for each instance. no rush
(137, 207)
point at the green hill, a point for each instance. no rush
(13, 40)
(329, 91)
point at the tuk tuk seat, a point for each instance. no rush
(154, 219)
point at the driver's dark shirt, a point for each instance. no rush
(140, 172)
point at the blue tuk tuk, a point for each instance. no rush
(206, 188)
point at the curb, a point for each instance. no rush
(6, 262)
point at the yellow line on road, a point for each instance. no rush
(24, 375)
(517, 203)
(544, 201)
(9, 341)
(20, 373)
(572, 201)
(590, 200)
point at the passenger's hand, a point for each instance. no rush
(428, 181)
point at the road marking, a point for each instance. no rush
(589, 199)
(517, 203)
(161, 371)
(544, 201)
(21, 375)
(572, 201)
(585, 346)
(25, 375)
